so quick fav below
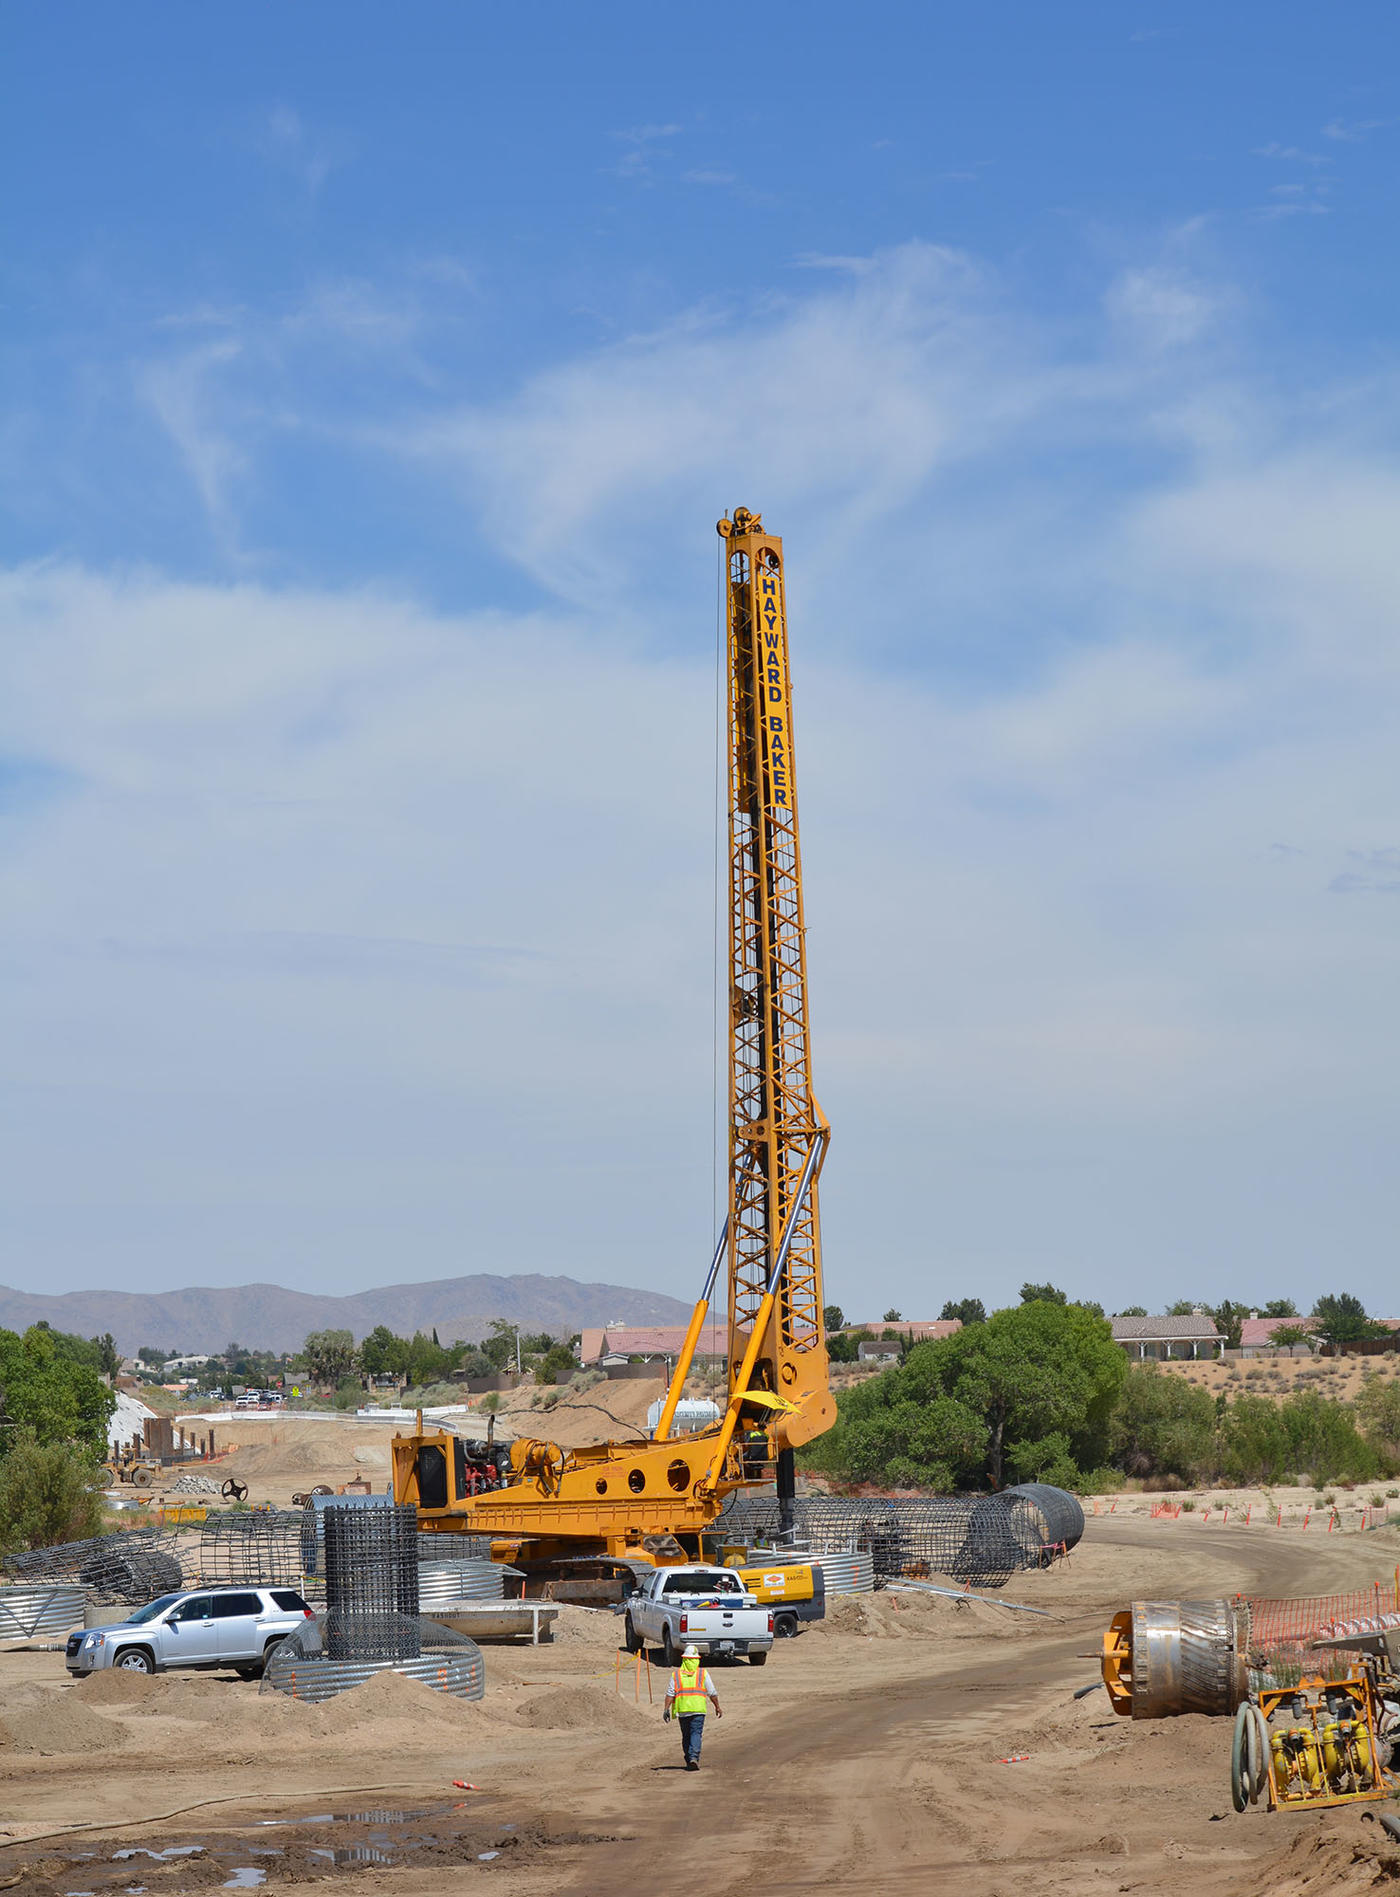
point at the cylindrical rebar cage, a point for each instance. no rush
(372, 1583)
(983, 1539)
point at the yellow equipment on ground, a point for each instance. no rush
(1310, 1744)
(644, 1501)
(795, 1590)
(126, 1465)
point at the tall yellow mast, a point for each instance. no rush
(777, 1131)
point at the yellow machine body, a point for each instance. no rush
(643, 1500)
(1316, 1756)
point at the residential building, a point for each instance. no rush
(1162, 1338)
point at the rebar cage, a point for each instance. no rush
(982, 1539)
(123, 1569)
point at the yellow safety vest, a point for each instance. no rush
(688, 1688)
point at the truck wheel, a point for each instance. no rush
(633, 1639)
(143, 1476)
(135, 1660)
(785, 1626)
(668, 1647)
(758, 1659)
(110, 1478)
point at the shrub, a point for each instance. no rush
(49, 1492)
(1162, 1426)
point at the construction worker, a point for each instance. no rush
(689, 1687)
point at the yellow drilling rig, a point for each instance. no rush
(646, 1501)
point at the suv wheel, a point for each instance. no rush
(135, 1660)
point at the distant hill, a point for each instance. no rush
(267, 1317)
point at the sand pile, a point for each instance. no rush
(59, 1722)
(603, 1413)
(901, 1616)
(587, 1705)
(391, 1711)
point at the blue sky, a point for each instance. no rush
(372, 389)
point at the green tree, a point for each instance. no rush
(966, 1310)
(1262, 1441)
(994, 1393)
(1042, 1294)
(1378, 1411)
(49, 1493)
(1287, 1335)
(1228, 1319)
(1162, 1425)
(1280, 1307)
(1132, 1310)
(1184, 1307)
(892, 1316)
(329, 1356)
(833, 1318)
(99, 1353)
(500, 1346)
(383, 1353)
(46, 1391)
(1341, 1318)
(557, 1365)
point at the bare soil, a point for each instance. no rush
(279, 1456)
(869, 1755)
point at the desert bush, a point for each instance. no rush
(1162, 1426)
(49, 1492)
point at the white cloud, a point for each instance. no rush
(1164, 307)
(282, 137)
(347, 931)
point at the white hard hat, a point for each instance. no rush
(691, 1653)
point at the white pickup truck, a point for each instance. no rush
(702, 1607)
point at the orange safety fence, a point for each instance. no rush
(1275, 1624)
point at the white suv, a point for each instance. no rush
(206, 1627)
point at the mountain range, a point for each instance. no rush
(270, 1317)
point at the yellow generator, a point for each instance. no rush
(1311, 1744)
(795, 1590)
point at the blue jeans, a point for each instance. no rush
(692, 1731)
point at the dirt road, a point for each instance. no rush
(865, 1757)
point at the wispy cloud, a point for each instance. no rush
(282, 137)
(1356, 132)
(645, 145)
(1292, 153)
(182, 393)
(1164, 307)
(703, 176)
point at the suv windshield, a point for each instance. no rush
(151, 1609)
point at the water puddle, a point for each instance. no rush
(317, 1847)
(174, 1850)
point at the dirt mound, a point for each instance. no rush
(914, 1615)
(61, 1723)
(395, 1710)
(118, 1687)
(1332, 1859)
(587, 1706)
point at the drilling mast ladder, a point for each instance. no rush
(645, 1501)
